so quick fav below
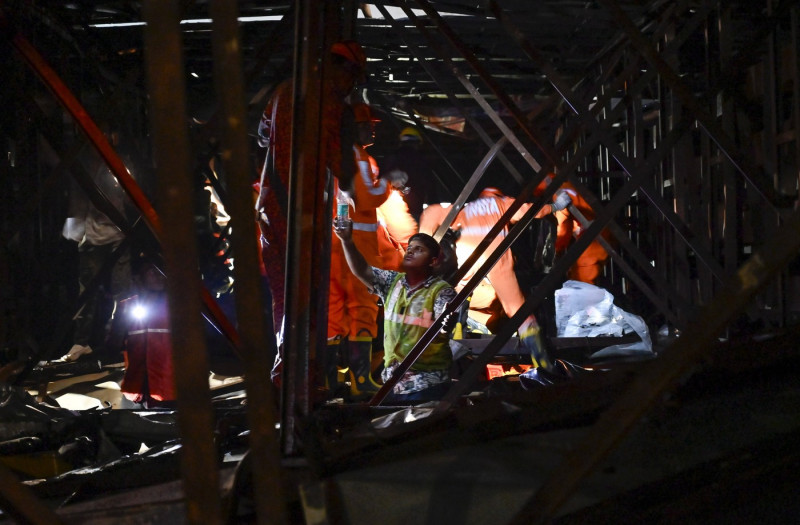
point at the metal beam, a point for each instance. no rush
(430, 68)
(262, 415)
(166, 86)
(649, 386)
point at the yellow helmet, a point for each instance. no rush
(410, 133)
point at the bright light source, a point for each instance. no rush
(195, 75)
(139, 312)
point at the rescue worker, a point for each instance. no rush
(590, 263)
(473, 222)
(347, 68)
(411, 161)
(142, 330)
(413, 300)
(352, 309)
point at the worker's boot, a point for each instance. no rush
(531, 339)
(330, 363)
(361, 383)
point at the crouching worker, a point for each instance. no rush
(142, 331)
(412, 302)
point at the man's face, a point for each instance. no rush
(418, 256)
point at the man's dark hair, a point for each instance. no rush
(428, 241)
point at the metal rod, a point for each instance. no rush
(306, 191)
(555, 276)
(714, 130)
(470, 87)
(268, 478)
(167, 90)
(623, 159)
(467, 190)
(428, 66)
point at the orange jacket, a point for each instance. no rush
(148, 349)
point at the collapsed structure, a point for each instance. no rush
(677, 122)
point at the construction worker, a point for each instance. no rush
(347, 68)
(413, 300)
(473, 223)
(590, 263)
(352, 309)
(142, 331)
(411, 160)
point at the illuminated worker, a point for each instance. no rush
(141, 329)
(474, 222)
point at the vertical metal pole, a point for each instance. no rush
(306, 169)
(166, 85)
(261, 405)
(732, 209)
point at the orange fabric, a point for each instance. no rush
(587, 267)
(475, 220)
(273, 246)
(397, 219)
(432, 217)
(352, 309)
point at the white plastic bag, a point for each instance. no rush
(585, 310)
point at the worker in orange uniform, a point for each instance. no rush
(347, 68)
(141, 329)
(590, 263)
(352, 309)
(474, 222)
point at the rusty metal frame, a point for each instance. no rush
(264, 450)
(308, 222)
(566, 92)
(648, 386)
(453, 39)
(166, 86)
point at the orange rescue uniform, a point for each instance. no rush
(352, 309)
(275, 133)
(588, 266)
(474, 221)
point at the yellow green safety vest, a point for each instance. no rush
(406, 319)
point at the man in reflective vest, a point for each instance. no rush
(412, 302)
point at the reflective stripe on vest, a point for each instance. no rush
(149, 331)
